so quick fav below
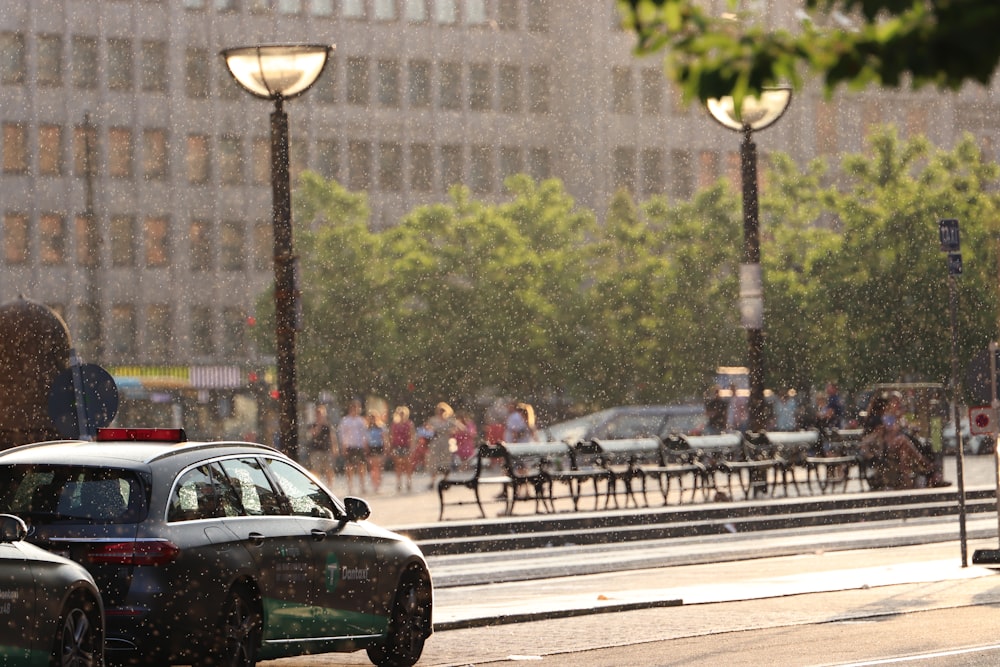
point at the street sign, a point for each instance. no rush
(100, 401)
(954, 263)
(948, 233)
(982, 420)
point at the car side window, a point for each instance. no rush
(193, 496)
(256, 494)
(305, 496)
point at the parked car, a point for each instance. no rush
(219, 552)
(630, 421)
(50, 608)
(973, 444)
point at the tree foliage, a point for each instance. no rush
(892, 43)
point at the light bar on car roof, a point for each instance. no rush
(141, 434)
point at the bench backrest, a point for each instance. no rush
(631, 451)
(710, 449)
(532, 457)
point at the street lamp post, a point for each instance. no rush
(279, 73)
(755, 114)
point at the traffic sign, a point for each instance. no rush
(954, 263)
(982, 420)
(948, 233)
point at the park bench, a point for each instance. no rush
(585, 467)
(752, 464)
(530, 467)
(833, 465)
(789, 450)
(474, 478)
(629, 460)
(710, 452)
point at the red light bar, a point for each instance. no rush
(138, 552)
(141, 434)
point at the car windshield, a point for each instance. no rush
(52, 493)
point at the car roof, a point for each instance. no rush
(126, 454)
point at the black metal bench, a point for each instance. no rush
(789, 450)
(832, 467)
(639, 459)
(530, 466)
(711, 452)
(474, 478)
(585, 467)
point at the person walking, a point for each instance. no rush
(439, 450)
(322, 448)
(351, 432)
(402, 442)
(377, 438)
(465, 438)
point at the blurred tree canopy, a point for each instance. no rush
(534, 298)
(944, 43)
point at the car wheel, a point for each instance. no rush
(78, 643)
(409, 625)
(239, 631)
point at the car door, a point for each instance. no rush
(20, 625)
(343, 570)
(279, 545)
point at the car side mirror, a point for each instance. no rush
(357, 509)
(12, 528)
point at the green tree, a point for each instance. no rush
(944, 43)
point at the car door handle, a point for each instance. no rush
(257, 539)
(317, 534)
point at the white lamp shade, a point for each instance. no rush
(756, 112)
(273, 72)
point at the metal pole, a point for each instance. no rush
(993, 404)
(751, 283)
(956, 397)
(284, 282)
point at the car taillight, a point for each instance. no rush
(137, 552)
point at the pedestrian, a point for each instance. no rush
(785, 408)
(351, 432)
(517, 427)
(715, 411)
(402, 443)
(439, 448)
(465, 437)
(377, 437)
(738, 412)
(322, 448)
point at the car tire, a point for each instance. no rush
(239, 631)
(79, 637)
(409, 625)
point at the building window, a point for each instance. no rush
(653, 83)
(325, 88)
(352, 9)
(419, 84)
(15, 148)
(445, 12)
(510, 88)
(227, 86)
(84, 150)
(123, 241)
(475, 12)
(230, 160)
(450, 86)
(16, 238)
(421, 168)
(122, 329)
(652, 171)
(50, 60)
(387, 83)
(539, 163)
(197, 159)
(50, 150)
(481, 169)
(157, 242)
(538, 15)
(289, 6)
(154, 154)
(52, 239)
(84, 62)
(826, 128)
(120, 152)
(201, 248)
(621, 91)
(154, 66)
(88, 240)
(451, 166)
(260, 160)
(390, 166)
(234, 332)
(12, 60)
(197, 73)
(385, 10)
(359, 165)
(321, 7)
(88, 328)
(480, 88)
(357, 81)
(120, 64)
(232, 254)
(507, 18)
(201, 331)
(328, 159)
(263, 246)
(511, 161)
(708, 168)
(538, 89)
(159, 331)
(415, 11)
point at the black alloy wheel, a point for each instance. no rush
(239, 631)
(78, 641)
(409, 625)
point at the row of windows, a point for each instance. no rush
(233, 160)
(500, 14)
(131, 242)
(158, 332)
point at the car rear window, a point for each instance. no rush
(54, 493)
